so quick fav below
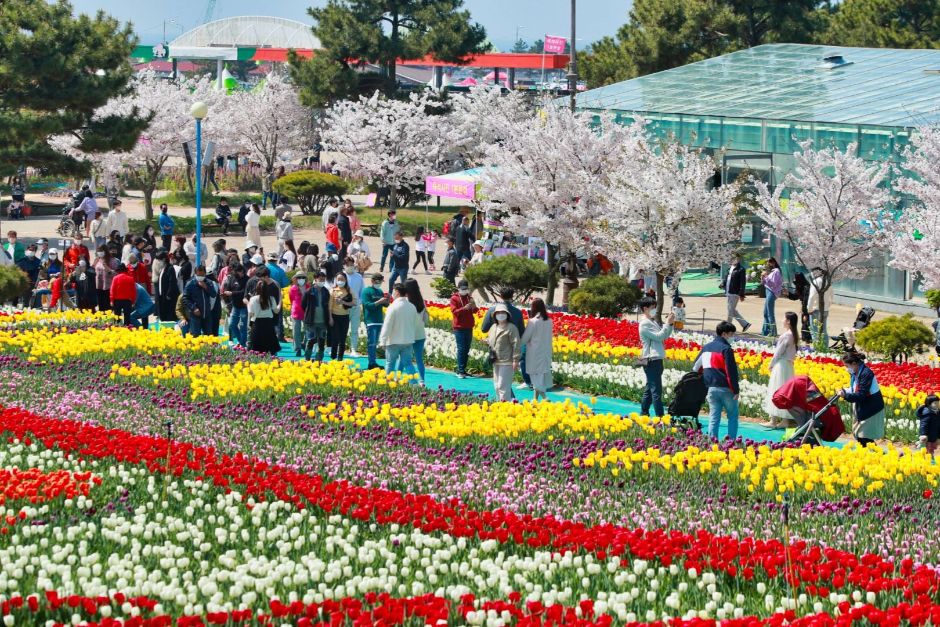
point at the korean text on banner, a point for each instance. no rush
(554, 45)
(450, 188)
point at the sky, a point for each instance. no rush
(534, 18)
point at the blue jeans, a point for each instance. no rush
(770, 315)
(418, 348)
(264, 199)
(722, 399)
(372, 332)
(397, 276)
(238, 325)
(463, 337)
(386, 249)
(298, 329)
(653, 394)
(200, 326)
(398, 357)
(139, 317)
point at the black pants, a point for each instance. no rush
(420, 257)
(864, 441)
(104, 297)
(167, 242)
(124, 308)
(224, 222)
(340, 330)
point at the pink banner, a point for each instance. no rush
(450, 188)
(554, 45)
(370, 199)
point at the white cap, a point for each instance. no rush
(359, 233)
(257, 260)
(53, 251)
(479, 243)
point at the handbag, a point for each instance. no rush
(491, 358)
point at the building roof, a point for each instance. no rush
(250, 31)
(869, 86)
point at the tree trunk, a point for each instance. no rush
(148, 201)
(660, 296)
(189, 179)
(550, 260)
(391, 68)
(392, 197)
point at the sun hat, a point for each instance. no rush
(358, 233)
(257, 260)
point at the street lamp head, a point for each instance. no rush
(199, 110)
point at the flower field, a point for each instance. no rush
(149, 479)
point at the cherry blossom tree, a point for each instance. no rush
(834, 218)
(392, 143)
(918, 239)
(664, 214)
(548, 176)
(482, 117)
(270, 122)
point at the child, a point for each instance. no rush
(678, 310)
(929, 415)
(430, 244)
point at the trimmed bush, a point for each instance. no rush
(442, 287)
(13, 283)
(607, 296)
(896, 338)
(311, 190)
(525, 276)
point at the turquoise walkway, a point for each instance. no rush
(447, 380)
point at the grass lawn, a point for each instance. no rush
(410, 217)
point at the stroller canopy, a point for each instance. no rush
(801, 393)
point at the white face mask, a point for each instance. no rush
(99, 254)
(30, 253)
(200, 278)
(53, 257)
(301, 281)
(350, 269)
(341, 284)
(464, 291)
(82, 263)
(501, 317)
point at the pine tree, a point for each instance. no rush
(56, 70)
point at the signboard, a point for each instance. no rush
(450, 188)
(554, 45)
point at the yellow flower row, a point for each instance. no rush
(52, 318)
(57, 345)
(499, 419)
(820, 470)
(242, 377)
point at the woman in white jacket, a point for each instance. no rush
(652, 338)
(781, 368)
(537, 338)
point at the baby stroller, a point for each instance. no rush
(846, 340)
(818, 419)
(687, 403)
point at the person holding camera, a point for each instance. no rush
(652, 354)
(868, 405)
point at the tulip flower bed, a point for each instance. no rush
(597, 356)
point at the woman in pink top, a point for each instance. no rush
(296, 293)
(772, 280)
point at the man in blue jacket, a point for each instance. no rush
(166, 228)
(720, 372)
(143, 307)
(199, 295)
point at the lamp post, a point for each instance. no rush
(199, 110)
(573, 65)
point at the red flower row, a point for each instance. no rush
(812, 568)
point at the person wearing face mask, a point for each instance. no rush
(190, 248)
(54, 265)
(868, 405)
(99, 230)
(390, 228)
(652, 354)
(14, 247)
(166, 224)
(341, 301)
(143, 307)
(398, 333)
(150, 237)
(296, 293)
(123, 293)
(355, 283)
(105, 267)
(86, 293)
(117, 220)
(515, 316)
(72, 256)
(139, 271)
(399, 261)
(233, 292)
(373, 305)
(167, 288)
(451, 264)
(719, 369)
(29, 264)
(331, 263)
(262, 309)
(316, 307)
(538, 342)
(42, 251)
(928, 416)
(462, 308)
(199, 294)
(505, 351)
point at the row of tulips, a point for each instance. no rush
(233, 533)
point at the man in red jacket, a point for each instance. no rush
(462, 307)
(139, 270)
(76, 252)
(123, 293)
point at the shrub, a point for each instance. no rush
(606, 296)
(442, 287)
(896, 337)
(13, 283)
(311, 190)
(933, 298)
(524, 276)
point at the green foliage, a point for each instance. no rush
(13, 283)
(56, 70)
(442, 287)
(311, 190)
(379, 32)
(885, 24)
(523, 275)
(607, 296)
(663, 34)
(896, 337)
(933, 298)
